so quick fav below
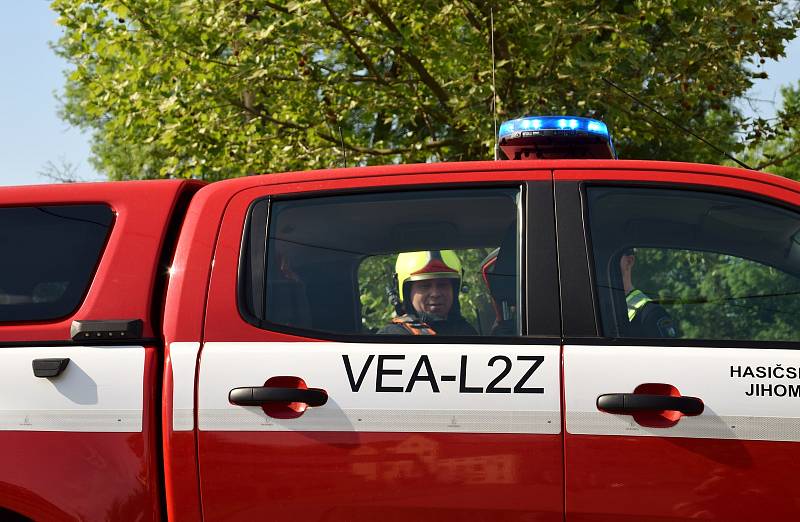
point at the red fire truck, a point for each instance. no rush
(174, 350)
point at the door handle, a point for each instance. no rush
(259, 395)
(49, 367)
(630, 403)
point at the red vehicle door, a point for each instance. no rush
(368, 426)
(681, 363)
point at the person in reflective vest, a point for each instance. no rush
(646, 318)
(428, 283)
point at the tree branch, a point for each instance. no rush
(780, 159)
(337, 23)
(415, 63)
(429, 145)
(276, 7)
(149, 29)
(472, 19)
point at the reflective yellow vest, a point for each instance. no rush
(636, 300)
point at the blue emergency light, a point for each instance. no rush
(555, 137)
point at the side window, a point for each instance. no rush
(49, 256)
(438, 262)
(694, 265)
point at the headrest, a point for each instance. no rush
(503, 277)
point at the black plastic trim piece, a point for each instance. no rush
(49, 367)
(256, 396)
(578, 310)
(629, 403)
(540, 264)
(82, 330)
(253, 261)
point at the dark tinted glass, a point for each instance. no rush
(330, 261)
(49, 255)
(695, 265)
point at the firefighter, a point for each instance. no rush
(646, 317)
(427, 285)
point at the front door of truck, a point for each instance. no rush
(684, 404)
(310, 406)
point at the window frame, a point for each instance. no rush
(538, 190)
(592, 294)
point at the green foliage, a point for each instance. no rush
(374, 281)
(779, 153)
(716, 296)
(222, 88)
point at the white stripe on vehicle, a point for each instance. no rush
(101, 390)
(748, 394)
(389, 387)
(183, 356)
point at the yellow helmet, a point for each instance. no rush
(427, 264)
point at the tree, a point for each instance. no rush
(779, 152)
(62, 172)
(222, 88)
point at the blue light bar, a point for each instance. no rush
(514, 128)
(555, 137)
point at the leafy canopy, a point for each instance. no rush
(221, 88)
(780, 153)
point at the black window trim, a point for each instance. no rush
(540, 189)
(579, 306)
(246, 258)
(680, 342)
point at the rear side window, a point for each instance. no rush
(695, 265)
(49, 254)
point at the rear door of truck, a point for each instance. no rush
(685, 408)
(81, 274)
(412, 427)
